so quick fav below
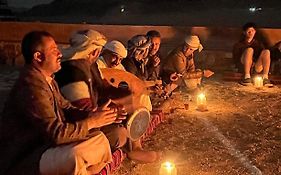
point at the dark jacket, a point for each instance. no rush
(79, 72)
(33, 120)
(240, 47)
(135, 67)
(152, 71)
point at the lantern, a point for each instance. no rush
(201, 102)
(258, 82)
(168, 168)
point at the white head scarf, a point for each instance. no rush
(194, 42)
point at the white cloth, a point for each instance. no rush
(116, 47)
(81, 158)
(194, 42)
(102, 64)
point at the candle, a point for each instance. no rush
(201, 102)
(168, 168)
(258, 82)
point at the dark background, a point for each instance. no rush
(228, 13)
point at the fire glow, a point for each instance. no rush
(201, 102)
(258, 82)
(168, 168)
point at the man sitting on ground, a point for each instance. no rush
(180, 62)
(81, 83)
(112, 55)
(135, 62)
(35, 135)
(153, 64)
(77, 81)
(248, 53)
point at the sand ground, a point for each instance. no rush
(239, 134)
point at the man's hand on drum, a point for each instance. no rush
(118, 108)
(121, 114)
(102, 116)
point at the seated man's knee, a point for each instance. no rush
(117, 137)
(247, 55)
(258, 68)
(123, 136)
(96, 141)
(249, 51)
(266, 53)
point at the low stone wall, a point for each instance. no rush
(217, 42)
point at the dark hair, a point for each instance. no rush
(153, 33)
(30, 43)
(248, 25)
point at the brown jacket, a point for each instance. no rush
(34, 119)
(177, 62)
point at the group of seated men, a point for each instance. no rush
(58, 118)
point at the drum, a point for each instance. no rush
(139, 96)
(137, 123)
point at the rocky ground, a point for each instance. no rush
(239, 134)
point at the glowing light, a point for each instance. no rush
(252, 9)
(201, 102)
(255, 9)
(122, 8)
(258, 82)
(168, 168)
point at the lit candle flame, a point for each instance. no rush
(201, 102)
(258, 82)
(201, 96)
(168, 168)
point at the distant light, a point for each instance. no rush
(255, 9)
(122, 9)
(252, 9)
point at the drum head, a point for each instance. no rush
(138, 123)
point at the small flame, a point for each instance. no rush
(168, 166)
(259, 78)
(201, 96)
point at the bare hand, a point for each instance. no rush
(207, 73)
(101, 117)
(122, 114)
(105, 106)
(120, 118)
(175, 76)
(156, 61)
(158, 89)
